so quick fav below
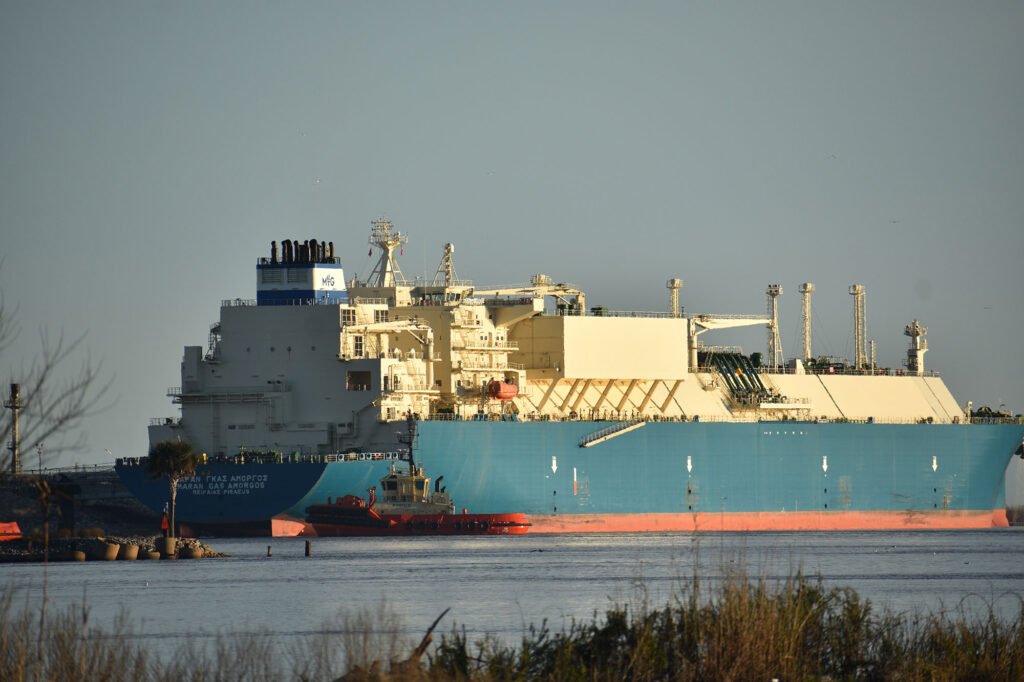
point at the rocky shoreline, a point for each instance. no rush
(108, 548)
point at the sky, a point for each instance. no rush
(150, 151)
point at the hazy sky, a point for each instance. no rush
(150, 151)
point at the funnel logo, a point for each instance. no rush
(327, 281)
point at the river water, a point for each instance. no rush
(500, 585)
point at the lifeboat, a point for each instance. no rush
(501, 390)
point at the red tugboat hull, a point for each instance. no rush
(371, 524)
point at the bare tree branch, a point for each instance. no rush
(57, 396)
(8, 321)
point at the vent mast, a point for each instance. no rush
(806, 289)
(774, 344)
(860, 358)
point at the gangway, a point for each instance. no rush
(609, 432)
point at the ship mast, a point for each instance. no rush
(446, 270)
(383, 235)
(918, 347)
(409, 438)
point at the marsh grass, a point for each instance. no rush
(796, 628)
(739, 628)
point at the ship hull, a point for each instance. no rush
(663, 476)
(692, 476)
(229, 499)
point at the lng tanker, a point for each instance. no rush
(581, 418)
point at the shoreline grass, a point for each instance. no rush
(741, 628)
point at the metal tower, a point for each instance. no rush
(859, 332)
(918, 347)
(383, 235)
(674, 285)
(14, 405)
(446, 270)
(806, 289)
(774, 344)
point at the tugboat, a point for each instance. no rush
(407, 507)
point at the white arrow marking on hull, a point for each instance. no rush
(935, 462)
(554, 464)
(824, 463)
(689, 464)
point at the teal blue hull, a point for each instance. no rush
(773, 472)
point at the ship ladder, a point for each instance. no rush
(610, 432)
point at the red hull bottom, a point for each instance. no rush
(428, 524)
(276, 527)
(748, 521)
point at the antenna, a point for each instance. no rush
(859, 332)
(774, 344)
(806, 289)
(674, 285)
(383, 235)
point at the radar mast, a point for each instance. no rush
(383, 235)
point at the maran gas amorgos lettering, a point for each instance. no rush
(235, 484)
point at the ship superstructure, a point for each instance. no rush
(319, 367)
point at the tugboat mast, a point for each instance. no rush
(409, 438)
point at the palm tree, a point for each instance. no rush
(173, 460)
